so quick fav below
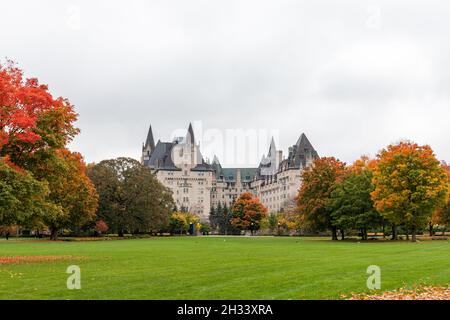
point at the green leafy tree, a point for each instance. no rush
(351, 204)
(130, 197)
(214, 218)
(220, 219)
(272, 221)
(205, 228)
(21, 195)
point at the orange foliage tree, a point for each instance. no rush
(410, 184)
(314, 197)
(247, 213)
(73, 198)
(442, 215)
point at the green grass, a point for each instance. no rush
(220, 268)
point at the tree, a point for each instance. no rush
(220, 218)
(409, 184)
(21, 195)
(273, 222)
(31, 120)
(101, 226)
(180, 222)
(351, 204)
(289, 219)
(205, 228)
(313, 201)
(130, 197)
(35, 129)
(72, 197)
(442, 215)
(247, 213)
(213, 218)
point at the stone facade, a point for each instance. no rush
(197, 185)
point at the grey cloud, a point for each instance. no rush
(351, 82)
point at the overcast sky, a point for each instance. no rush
(353, 75)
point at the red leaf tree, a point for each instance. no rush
(101, 226)
(31, 119)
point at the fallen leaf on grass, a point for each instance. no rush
(37, 259)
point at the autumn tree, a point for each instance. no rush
(72, 195)
(101, 226)
(288, 218)
(35, 129)
(130, 197)
(31, 119)
(180, 222)
(351, 204)
(247, 213)
(442, 215)
(314, 197)
(410, 184)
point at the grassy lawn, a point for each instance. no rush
(219, 268)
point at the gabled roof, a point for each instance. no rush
(161, 157)
(302, 150)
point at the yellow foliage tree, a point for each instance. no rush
(410, 184)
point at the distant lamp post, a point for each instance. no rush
(251, 228)
(279, 224)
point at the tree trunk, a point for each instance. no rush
(120, 233)
(431, 229)
(334, 233)
(394, 232)
(342, 234)
(384, 232)
(363, 234)
(413, 234)
(407, 234)
(53, 233)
